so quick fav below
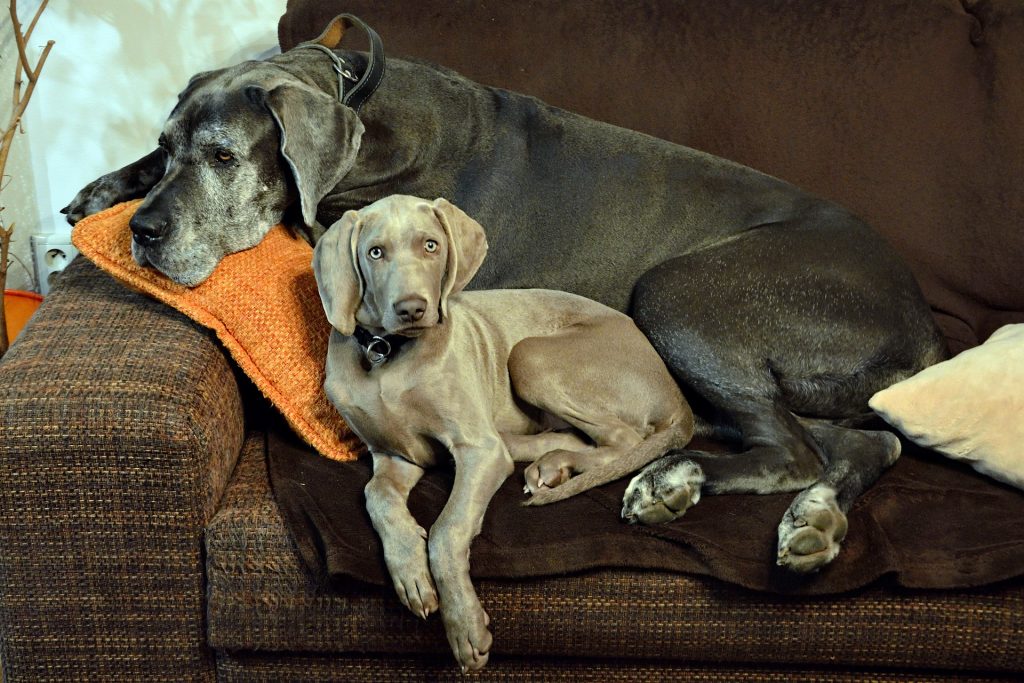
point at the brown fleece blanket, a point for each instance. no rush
(928, 522)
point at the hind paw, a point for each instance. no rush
(550, 470)
(663, 491)
(811, 531)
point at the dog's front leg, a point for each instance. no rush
(130, 182)
(479, 470)
(403, 539)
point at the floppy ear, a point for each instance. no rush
(467, 246)
(337, 272)
(319, 139)
(333, 33)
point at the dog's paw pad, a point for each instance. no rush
(662, 492)
(550, 470)
(811, 531)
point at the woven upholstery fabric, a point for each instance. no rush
(264, 306)
(261, 598)
(120, 423)
(235, 667)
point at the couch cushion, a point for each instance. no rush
(907, 112)
(301, 668)
(260, 598)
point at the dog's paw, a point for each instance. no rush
(550, 470)
(410, 574)
(663, 491)
(468, 635)
(811, 530)
(98, 195)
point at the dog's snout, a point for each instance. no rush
(410, 309)
(147, 229)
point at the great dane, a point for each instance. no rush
(778, 312)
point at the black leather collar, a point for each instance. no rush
(355, 96)
(378, 350)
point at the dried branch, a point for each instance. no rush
(33, 76)
(21, 37)
(32, 24)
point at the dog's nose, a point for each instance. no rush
(410, 309)
(147, 229)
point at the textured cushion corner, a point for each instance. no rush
(264, 307)
(970, 407)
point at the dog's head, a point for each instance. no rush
(242, 145)
(393, 264)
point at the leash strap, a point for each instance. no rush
(329, 40)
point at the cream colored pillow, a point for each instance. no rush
(970, 408)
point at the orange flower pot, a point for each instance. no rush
(19, 307)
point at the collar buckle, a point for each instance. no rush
(341, 68)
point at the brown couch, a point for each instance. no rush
(139, 537)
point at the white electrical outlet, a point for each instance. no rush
(51, 254)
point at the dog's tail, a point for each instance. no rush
(676, 435)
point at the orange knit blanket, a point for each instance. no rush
(264, 307)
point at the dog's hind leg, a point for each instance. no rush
(815, 523)
(602, 378)
(785, 319)
(530, 447)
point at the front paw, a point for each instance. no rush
(98, 195)
(468, 635)
(410, 574)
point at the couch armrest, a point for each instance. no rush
(120, 423)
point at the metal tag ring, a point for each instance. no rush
(377, 357)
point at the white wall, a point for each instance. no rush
(109, 82)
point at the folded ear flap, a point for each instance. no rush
(320, 139)
(333, 33)
(336, 268)
(467, 246)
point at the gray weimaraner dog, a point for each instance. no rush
(482, 379)
(779, 313)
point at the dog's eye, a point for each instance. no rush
(430, 246)
(223, 156)
(375, 253)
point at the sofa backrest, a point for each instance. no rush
(910, 113)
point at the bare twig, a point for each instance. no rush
(32, 24)
(21, 101)
(19, 37)
(28, 34)
(33, 76)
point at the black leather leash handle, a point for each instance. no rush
(331, 38)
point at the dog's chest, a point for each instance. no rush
(391, 420)
(385, 407)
